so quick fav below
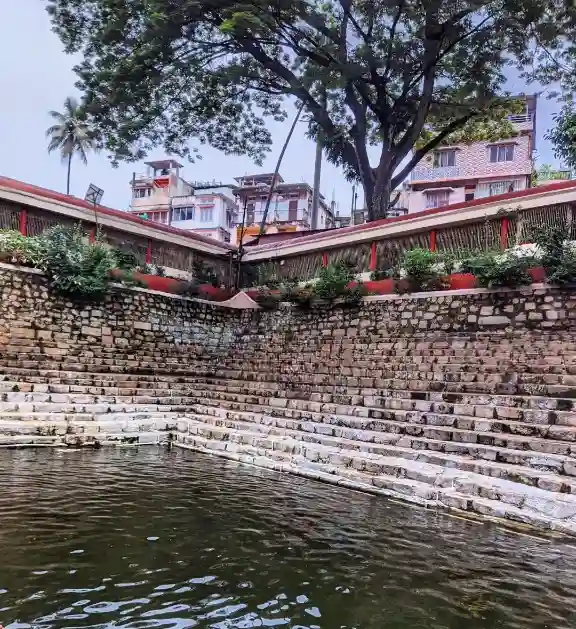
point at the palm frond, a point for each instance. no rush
(72, 134)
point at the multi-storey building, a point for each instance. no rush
(463, 172)
(161, 195)
(290, 206)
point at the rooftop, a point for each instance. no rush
(164, 163)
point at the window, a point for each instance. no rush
(206, 215)
(438, 198)
(469, 196)
(141, 193)
(443, 159)
(184, 213)
(502, 153)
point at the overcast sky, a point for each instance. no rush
(36, 76)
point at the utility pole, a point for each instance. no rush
(317, 176)
(317, 170)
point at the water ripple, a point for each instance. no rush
(147, 539)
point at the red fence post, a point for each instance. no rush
(504, 227)
(373, 256)
(149, 251)
(23, 224)
(433, 240)
(324, 259)
(92, 235)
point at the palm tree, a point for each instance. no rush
(71, 134)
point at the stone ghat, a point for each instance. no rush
(438, 410)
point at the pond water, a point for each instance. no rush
(145, 538)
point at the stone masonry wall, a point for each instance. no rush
(134, 325)
(131, 325)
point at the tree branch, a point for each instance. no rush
(420, 153)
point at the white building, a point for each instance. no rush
(161, 195)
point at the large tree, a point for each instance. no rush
(70, 135)
(400, 75)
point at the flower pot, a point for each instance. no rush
(538, 274)
(213, 293)
(159, 283)
(461, 281)
(381, 287)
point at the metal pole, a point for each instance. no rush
(275, 176)
(317, 175)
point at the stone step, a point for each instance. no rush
(58, 426)
(183, 395)
(380, 442)
(418, 482)
(79, 440)
(318, 384)
(487, 460)
(416, 422)
(49, 417)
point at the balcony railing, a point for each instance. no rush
(519, 118)
(435, 174)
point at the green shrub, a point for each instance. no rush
(496, 269)
(18, 249)
(333, 281)
(74, 267)
(382, 274)
(302, 296)
(421, 270)
(558, 255)
(266, 300)
(126, 260)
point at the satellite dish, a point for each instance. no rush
(94, 194)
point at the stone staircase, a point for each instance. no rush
(480, 423)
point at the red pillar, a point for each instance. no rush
(504, 227)
(149, 251)
(433, 240)
(324, 259)
(92, 235)
(23, 224)
(373, 260)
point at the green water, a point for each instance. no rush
(145, 538)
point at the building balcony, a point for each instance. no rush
(184, 201)
(435, 174)
(522, 122)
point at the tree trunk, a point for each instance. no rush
(68, 178)
(382, 188)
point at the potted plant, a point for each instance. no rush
(456, 278)
(421, 270)
(496, 269)
(381, 282)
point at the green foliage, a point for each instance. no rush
(301, 296)
(18, 249)
(267, 276)
(74, 267)
(420, 270)
(495, 269)
(378, 73)
(267, 300)
(333, 281)
(563, 135)
(382, 274)
(558, 255)
(71, 134)
(126, 260)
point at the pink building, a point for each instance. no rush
(463, 172)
